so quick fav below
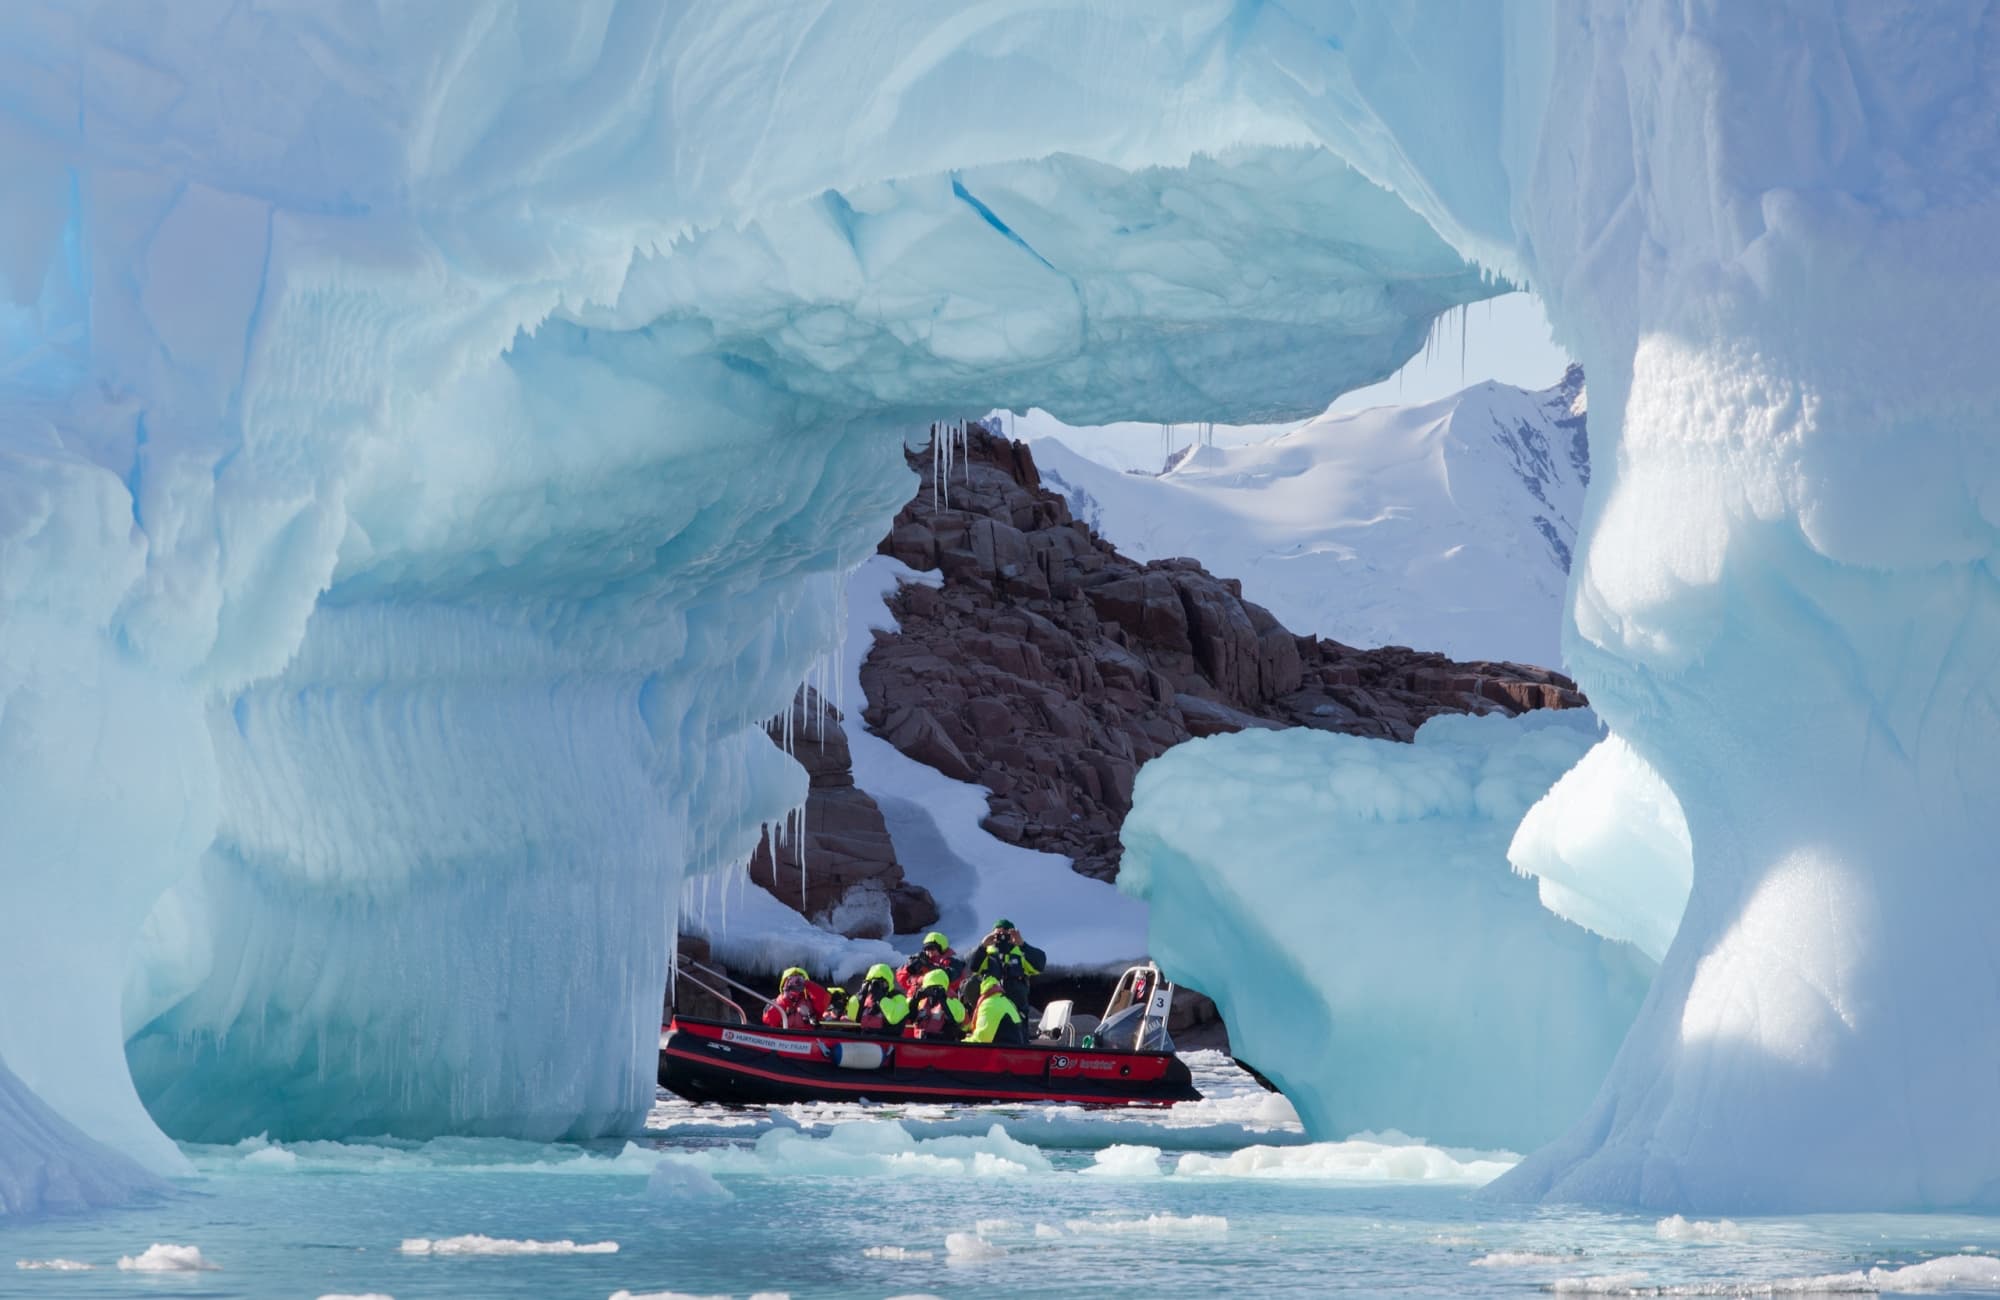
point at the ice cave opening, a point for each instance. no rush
(422, 464)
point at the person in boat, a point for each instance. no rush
(880, 1007)
(934, 1012)
(837, 1003)
(996, 1019)
(801, 1003)
(1006, 956)
(936, 954)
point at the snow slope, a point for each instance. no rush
(1446, 526)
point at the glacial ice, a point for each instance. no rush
(427, 459)
(419, 420)
(47, 1164)
(1609, 848)
(1348, 905)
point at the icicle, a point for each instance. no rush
(1464, 319)
(937, 454)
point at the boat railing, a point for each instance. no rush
(693, 971)
(1159, 994)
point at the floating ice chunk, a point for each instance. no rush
(476, 1244)
(894, 1252)
(159, 1258)
(271, 1158)
(993, 1227)
(54, 1265)
(1603, 1284)
(663, 1295)
(969, 1248)
(1947, 1273)
(1124, 1161)
(1520, 1259)
(1049, 1232)
(674, 1179)
(370, 1295)
(1676, 1228)
(1951, 1273)
(877, 1148)
(1154, 1225)
(1356, 1160)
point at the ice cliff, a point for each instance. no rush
(431, 436)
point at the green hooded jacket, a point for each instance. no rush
(995, 1011)
(889, 1000)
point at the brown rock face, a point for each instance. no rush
(1049, 667)
(849, 879)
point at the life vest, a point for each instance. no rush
(791, 1011)
(881, 1008)
(937, 1015)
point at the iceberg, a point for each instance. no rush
(1347, 903)
(424, 462)
(414, 422)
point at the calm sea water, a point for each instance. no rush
(1220, 1197)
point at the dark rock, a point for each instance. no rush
(1049, 666)
(840, 868)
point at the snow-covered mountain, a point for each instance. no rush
(1448, 525)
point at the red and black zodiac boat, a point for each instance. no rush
(1125, 1060)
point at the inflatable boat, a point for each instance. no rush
(1126, 1061)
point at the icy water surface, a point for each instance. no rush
(1217, 1197)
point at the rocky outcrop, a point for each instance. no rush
(1048, 667)
(842, 871)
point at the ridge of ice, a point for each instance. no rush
(479, 1244)
(1676, 1228)
(1355, 1160)
(1154, 1225)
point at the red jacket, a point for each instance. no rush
(793, 1011)
(917, 967)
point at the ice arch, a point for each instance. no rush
(432, 440)
(269, 444)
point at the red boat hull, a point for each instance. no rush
(706, 1060)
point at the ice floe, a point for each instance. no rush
(166, 1258)
(1375, 1158)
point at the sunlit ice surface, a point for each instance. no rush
(1224, 1194)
